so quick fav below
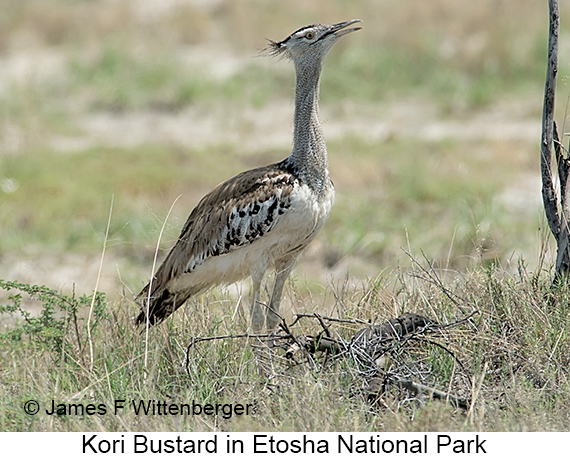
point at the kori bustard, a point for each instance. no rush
(262, 218)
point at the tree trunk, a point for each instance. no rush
(557, 215)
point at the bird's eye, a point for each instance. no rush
(310, 35)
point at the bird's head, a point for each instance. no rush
(313, 41)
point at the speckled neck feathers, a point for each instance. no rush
(309, 155)
(261, 218)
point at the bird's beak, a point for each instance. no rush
(340, 28)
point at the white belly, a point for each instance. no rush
(296, 228)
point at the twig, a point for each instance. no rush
(418, 389)
(323, 325)
(441, 346)
(290, 334)
(434, 279)
(366, 347)
(196, 340)
(300, 316)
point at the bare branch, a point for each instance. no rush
(549, 197)
(418, 389)
(300, 316)
(561, 161)
(563, 175)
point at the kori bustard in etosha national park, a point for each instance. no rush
(262, 218)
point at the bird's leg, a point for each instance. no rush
(283, 271)
(257, 312)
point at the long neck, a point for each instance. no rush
(309, 155)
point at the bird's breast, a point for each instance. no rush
(291, 230)
(308, 212)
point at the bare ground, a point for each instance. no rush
(256, 129)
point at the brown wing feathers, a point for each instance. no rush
(234, 214)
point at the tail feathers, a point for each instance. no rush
(162, 304)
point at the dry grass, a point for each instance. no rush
(510, 358)
(429, 112)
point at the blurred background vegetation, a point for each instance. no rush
(432, 115)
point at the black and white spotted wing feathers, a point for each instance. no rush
(235, 214)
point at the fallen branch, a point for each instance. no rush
(420, 389)
(369, 348)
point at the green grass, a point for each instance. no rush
(398, 70)
(404, 185)
(440, 197)
(120, 80)
(63, 200)
(515, 344)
